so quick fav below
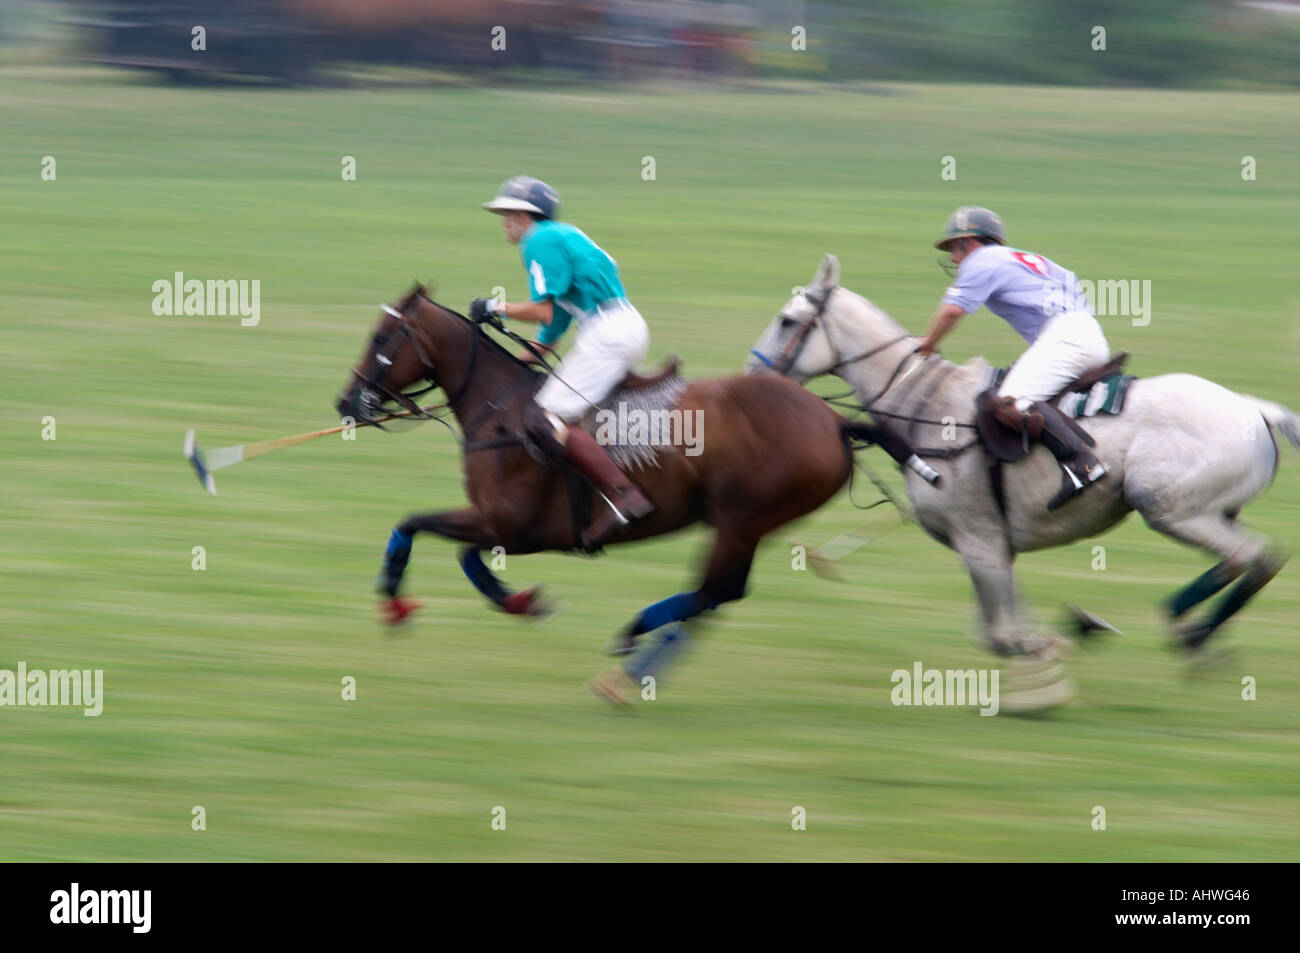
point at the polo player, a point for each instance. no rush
(1043, 303)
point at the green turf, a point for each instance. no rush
(223, 686)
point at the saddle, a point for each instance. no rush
(1093, 376)
(636, 419)
(635, 381)
(1009, 445)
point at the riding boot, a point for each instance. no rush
(1072, 448)
(625, 499)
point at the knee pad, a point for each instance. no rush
(546, 430)
(559, 429)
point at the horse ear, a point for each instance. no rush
(417, 291)
(828, 272)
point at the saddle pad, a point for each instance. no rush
(1105, 397)
(632, 424)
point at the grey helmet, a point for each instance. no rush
(523, 193)
(972, 221)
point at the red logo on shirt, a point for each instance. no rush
(1034, 263)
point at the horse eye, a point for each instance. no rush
(380, 338)
(787, 322)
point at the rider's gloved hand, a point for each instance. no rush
(485, 310)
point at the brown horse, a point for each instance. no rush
(774, 452)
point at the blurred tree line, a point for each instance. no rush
(1146, 42)
(1194, 43)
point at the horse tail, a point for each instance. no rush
(1281, 419)
(894, 445)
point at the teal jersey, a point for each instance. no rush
(566, 266)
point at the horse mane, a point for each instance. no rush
(473, 328)
(871, 306)
(973, 368)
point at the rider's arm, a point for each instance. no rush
(554, 329)
(554, 324)
(550, 275)
(975, 284)
(945, 319)
(539, 311)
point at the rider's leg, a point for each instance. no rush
(1079, 464)
(1069, 345)
(580, 449)
(625, 499)
(598, 362)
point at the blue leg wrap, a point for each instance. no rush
(396, 555)
(482, 577)
(678, 608)
(654, 659)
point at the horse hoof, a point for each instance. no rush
(1035, 646)
(613, 687)
(622, 644)
(1206, 662)
(1041, 698)
(527, 602)
(517, 603)
(1035, 684)
(1085, 625)
(532, 603)
(397, 610)
(1191, 636)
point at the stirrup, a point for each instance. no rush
(612, 519)
(1072, 485)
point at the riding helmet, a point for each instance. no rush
(971, 221)
(523, 193)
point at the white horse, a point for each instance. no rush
(1185, 453)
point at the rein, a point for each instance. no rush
(410, 331)
(383, 360)
(792, 350)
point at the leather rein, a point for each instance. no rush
(386, 353)
(790, 354)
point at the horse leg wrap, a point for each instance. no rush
(1200, 589)
(654, 659)
(396, 556)
(678, 608)
(1255, 579)
(482, 577)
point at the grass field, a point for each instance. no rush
(223, 686)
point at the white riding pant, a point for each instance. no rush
(1068, 345)
(610, 343)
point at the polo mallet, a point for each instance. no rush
(205, 464)
(823, 559)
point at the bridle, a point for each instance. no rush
(386, 347)
(790, 354)
(799, 340)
